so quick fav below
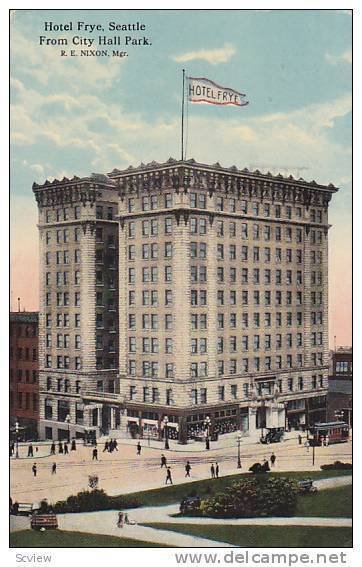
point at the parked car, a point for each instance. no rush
(305, 486)
(274, 435)
(190, 504)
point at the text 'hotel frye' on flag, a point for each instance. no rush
(204, 90)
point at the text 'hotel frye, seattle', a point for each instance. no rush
(182, 290)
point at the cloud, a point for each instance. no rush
(212, 56)
(345, 57)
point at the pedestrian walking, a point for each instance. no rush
(187, 468)
(95, 455)
(168, 476)
(30, 451)
(306, 445)
(34, 469)
(115, 444)
(66, 450)
(52, 448)
(212, 470)
(207, 444)
(60, 447)
(139, 448)
(120, 520)
(106, 446)
(272, 459)
(299, 439)
(163, 461)
(74, 445)
(217, 470)
(54, 468)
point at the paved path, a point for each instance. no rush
(105, 522)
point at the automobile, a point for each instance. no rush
(305, 486)
(190, 504)
(274, 435)
(44, 521)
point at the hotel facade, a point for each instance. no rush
(182, 290)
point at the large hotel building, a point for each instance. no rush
(184, 290)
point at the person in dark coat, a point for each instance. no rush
(212, 470)
(272, 459)
(74, 445)
(115, 444)
(66, 450)
(168, 476)
(34, 469)
(106, 446)
(54, 468)
(30, 451)
(95, 455)
(163, 461)
(139, 448)
(217, 470)
(187, 468)
(60, 447)
(52, 448)
(299, 439)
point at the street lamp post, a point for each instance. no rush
(207, 424)
(17, 440)
(165, 422)
(67, 419)
(238, 438)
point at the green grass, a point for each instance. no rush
(58, 538)
(205, 488)
(266, 536)
(330, 503)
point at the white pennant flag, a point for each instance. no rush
(206, 91)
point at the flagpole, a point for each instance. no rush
(182, 114)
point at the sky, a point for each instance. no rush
(78, 115)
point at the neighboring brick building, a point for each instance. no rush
(341, 386)
(24, 369)
(222, 294)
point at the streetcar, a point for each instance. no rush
(328, 433)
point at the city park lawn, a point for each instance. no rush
(206, 488)
(58, 538)
(266, 536)
(329, 503)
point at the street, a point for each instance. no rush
(124, 471)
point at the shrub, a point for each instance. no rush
(252, 498)
(337, 465)
(95, 500)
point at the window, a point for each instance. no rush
(234, 391)
(168, 200)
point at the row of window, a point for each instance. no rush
(62, 257)
(24, 400)
(200, 321)
(29, 376)
(63, 362)
(74, 213)
(199, 395)
(63, 341)
(150, 369)
(23, 331)
(199, 200)
(150, 251)
(24, 353)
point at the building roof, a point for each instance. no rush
(191, 163)
(24, 317)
